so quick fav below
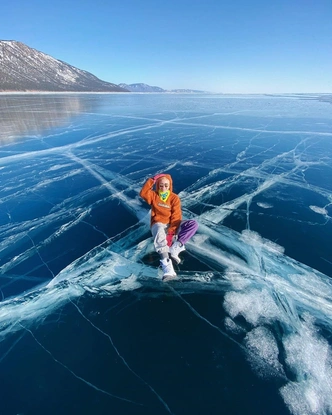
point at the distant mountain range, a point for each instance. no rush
(24, 69)
(148, 88)
(141, 88)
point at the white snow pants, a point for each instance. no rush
(159, 232)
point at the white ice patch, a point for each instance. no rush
(232, 326)
(240, 156)
(58, 167)
(256, 306)
(309, 357)
(188, 163)
(264, 205)
(239, 282)
(129, 284)
(256, 240)
(320, 211)
(261, 342)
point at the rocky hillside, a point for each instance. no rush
(25, 69)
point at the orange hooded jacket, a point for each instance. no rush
(168, 212)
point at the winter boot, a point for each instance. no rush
(175, 249)
(167, 267)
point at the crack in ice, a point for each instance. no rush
(123, 359)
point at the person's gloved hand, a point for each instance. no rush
(169, 238)
(157, 176)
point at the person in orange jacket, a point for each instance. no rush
(169, 231)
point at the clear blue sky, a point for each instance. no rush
(233, 46)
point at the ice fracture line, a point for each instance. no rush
(77, 376)
(123, 359)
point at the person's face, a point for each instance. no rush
(163, 184)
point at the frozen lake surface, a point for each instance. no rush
(87, 325)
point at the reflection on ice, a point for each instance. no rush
(33, 114)
(72, 224)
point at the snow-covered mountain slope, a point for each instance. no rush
(26, 69)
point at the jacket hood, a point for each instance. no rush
(169, 177)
